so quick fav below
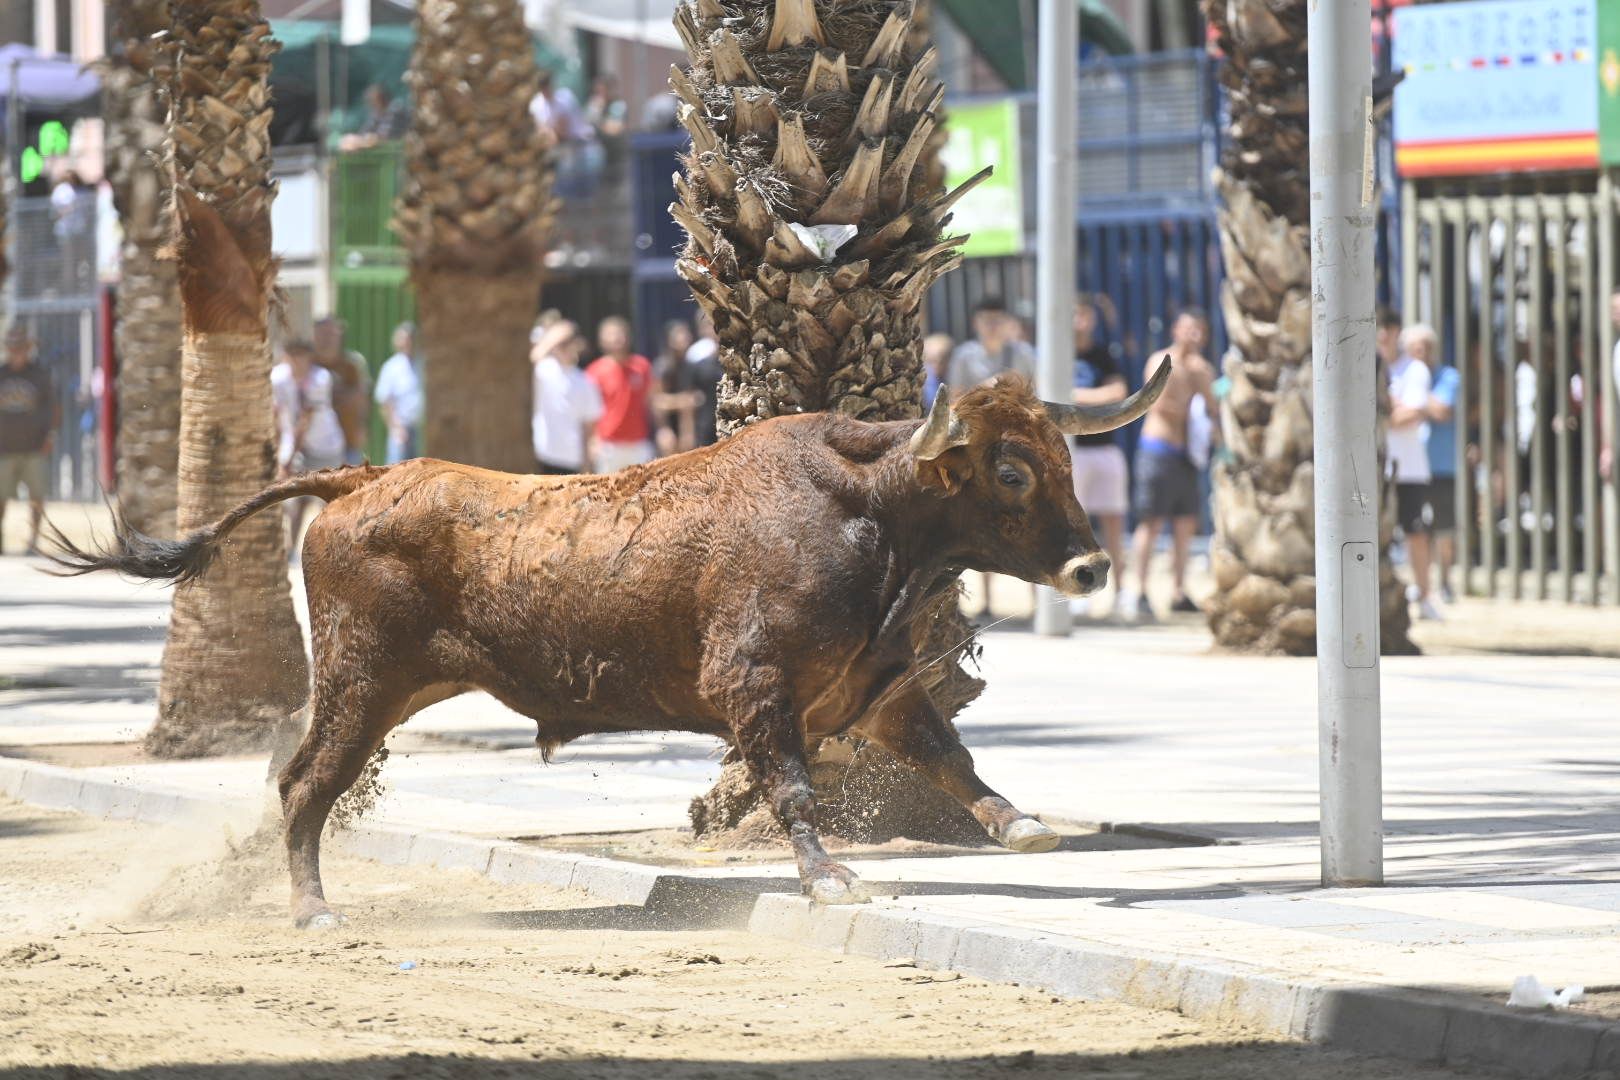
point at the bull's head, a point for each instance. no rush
(999, 454)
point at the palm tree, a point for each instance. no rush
(148, 300)
(473, 216)
(1264, 556)
(814, 232)
(233, 667)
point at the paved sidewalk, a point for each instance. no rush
(1502, 807)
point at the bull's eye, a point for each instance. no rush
(1009, 476)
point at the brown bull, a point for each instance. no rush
(760, 590)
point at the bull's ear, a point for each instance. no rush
(942, 431)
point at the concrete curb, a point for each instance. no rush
(1417, 1025)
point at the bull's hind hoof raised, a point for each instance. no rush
(1028, 836)
(830, 889)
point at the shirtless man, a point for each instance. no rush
(1166, 478)
(351, 389)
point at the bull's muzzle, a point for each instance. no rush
(1083, 574)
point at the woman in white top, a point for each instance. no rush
(566, 403)
(311, 437)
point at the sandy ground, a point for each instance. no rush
(112, 963)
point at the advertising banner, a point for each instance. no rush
(980, 134)
(1497, 86)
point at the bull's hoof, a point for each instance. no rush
(1028, 836)
(831, 889)
(323, 920)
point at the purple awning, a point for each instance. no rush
(47, 82)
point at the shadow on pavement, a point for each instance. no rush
(1250, 1059)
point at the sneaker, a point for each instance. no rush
(1080, 607)
(1446, 594)
(1183, 605)
(1144, 610)
(1427, 610)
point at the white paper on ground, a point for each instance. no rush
(1529, 993)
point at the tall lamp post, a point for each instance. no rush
(1343, 213)
(1058, 43)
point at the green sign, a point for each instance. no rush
(53, 142)
(1608, 69)
(992, 214)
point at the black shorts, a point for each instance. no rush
(1443, 501)
(546, 468)
(1412, 509)
(1166, 485)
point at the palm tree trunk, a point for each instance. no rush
(474, 216)
(147, 332)
(1263, 557)
(478, 327)
(807, 113)
(233, 666)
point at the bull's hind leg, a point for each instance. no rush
(351, 713)
(911, 729)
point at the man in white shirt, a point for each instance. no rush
(399, 395)
(1410, 381)
(311, 435)
(566, 403)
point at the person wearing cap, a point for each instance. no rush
(567, 405)
(30, 413)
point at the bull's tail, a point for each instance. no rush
(134, 554)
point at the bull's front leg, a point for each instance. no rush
(911, 729)
(772, 745)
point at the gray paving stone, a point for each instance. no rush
(389, 846)
(449, 852)
(109, 801)
(1375, 1021)
(12, 773)
(614, 882)
(1530, 1042)
(519, 864)
(57, 789)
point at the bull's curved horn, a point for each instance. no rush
(942, 430)
(1096, 419)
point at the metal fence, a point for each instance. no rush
(53, 292)
(1518, 285)
(1148, 130)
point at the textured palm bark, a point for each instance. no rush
(483, 315)
(1263, 557)
(147, 330)
(473, 217)
(807, 113)
(233, 665)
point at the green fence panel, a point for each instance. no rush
(372, 300)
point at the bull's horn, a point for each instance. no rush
(941, 431)
(1096, 419)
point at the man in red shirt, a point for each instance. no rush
(625, 380)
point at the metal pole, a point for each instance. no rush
(1056, 138)
(11, 177)
(1343, 213)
